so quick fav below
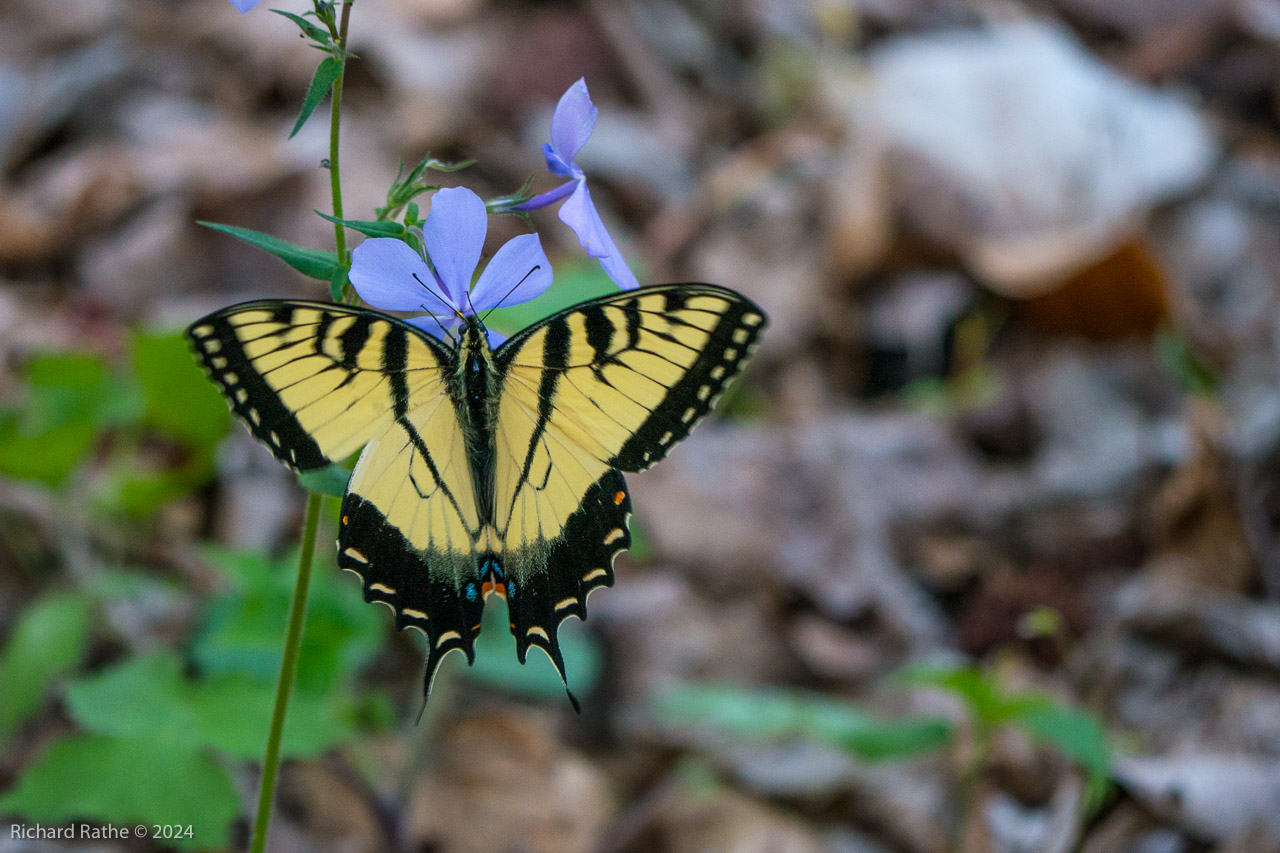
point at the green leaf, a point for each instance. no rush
(331, 480)
(497, 666)
(369, 227)
(69, 399)
(1076, 734)
(125, 782)
(232, 713)
(179, 399)
(969, 684)
(49, 457)
(139, 491)
(319, 35)
(74, 388)
(872, 738)
(310, 262)
(750, 713)
(244, 625)
(149, 698)
(321, 82)
(776, 713)
(49, 639)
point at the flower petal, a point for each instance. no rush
(580, 214)
(573, 121)
(389, 274)
(518, 272)
(556, 164)
(496, 339)
(245, 5)
(454, 236)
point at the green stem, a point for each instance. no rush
(298, 606)
(335, 110)
(288, 668)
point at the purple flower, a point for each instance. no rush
(390, 275)
(571, 126)
(245, 5)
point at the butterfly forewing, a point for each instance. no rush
(312, 381)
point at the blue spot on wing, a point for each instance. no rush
(491, 565)
(471, 592)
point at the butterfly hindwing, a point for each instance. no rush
(409, 527)
(578, 561)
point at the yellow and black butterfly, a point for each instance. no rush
(484, 470)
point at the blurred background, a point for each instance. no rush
(981, 554)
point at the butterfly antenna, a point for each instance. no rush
(445, 331)
(509, 292)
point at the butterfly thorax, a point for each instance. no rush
(475, 390)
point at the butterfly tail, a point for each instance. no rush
(579, 561)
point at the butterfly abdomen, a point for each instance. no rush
(475, 389)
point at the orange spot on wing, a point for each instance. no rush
(619, 497)
(488, 587)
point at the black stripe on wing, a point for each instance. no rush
(220, 351)
(692, 397)
(395, 573)
(578, 561)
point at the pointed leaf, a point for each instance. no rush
(321, 83)
(127, 781)
(317, 34)
(48, 640)
(369, 227)
(310, 262)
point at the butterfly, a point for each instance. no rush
(484, 471)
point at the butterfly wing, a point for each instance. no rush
(606, 386)
(410, 525)
(316, 382)
(311, 381)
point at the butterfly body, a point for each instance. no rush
(484, 470)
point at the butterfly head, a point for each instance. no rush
(472, 337)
